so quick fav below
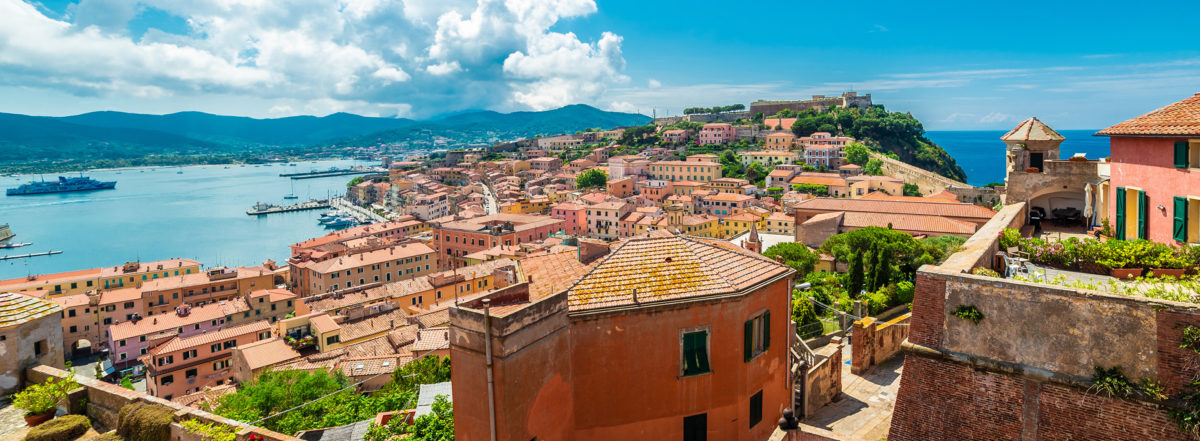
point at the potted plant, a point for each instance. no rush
(1117, 256)
(40, 401)
(1169, 263)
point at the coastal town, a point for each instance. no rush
(620, 283)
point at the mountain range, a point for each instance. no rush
(109, 135)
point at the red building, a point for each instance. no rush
(1155, 173)
(668, 337)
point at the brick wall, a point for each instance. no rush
(940, 400)
(1176, 366)
(1069, 414)
(927, 316)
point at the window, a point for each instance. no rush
(166, 360)
(71, 313)
(215, 348)
(229, 344)
(39, 348)
(695, 353)
(757, 335)
(167, 379)
(191, 373)
(122, 355)
(189, 354)
(1187, 155)
(74, 329)
(755, 409)
(695, 428)
(332, 339)
(121, 343)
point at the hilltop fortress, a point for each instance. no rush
(819, 102)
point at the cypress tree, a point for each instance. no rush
(872, 268)
(855, 285)
(883, 268)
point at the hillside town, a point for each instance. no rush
(733, 273)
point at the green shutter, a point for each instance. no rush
(1141, 225)
(1180, 232)
(1181, 154)
(766, 331)
(749, 337)
(689, 354)
(1120, 213)
(702, 352)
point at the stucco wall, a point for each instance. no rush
(1148, 164)
(17, 349)
(824, 381)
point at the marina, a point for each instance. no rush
(264, 208)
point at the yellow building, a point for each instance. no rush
(131, 274)
(697, 168)
(768, 157)
(731, 226)
(526, 206)
(727, 185)
(782, 141)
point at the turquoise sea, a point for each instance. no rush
(162, 212)
(981, 153)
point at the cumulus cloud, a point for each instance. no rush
(417, 57)
(654, 84)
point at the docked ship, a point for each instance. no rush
(5, 233)
(62, 185)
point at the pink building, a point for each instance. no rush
(1155, 171)
(819, 139)
(129, 340)
(675, 136)
(623, 166)
(184, 365)
(574, 216)
(717, 133)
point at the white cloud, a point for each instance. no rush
(653, 83)
(435, 55)
(622, 106)
(995, 117)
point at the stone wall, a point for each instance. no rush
(874, 342)
(824, 381)
(929, 182)
(17, 349)
(1024, 371)
(105, 400)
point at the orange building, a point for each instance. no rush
(668, 337)
(161, 296)
(184, 365)
(456, 239)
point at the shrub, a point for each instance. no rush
(1009, 238)
(878, 301)
(981, 271)
(969, 312)
(64, 428)
(1110, 382)
(144, 422)
(806, 318)
(905, 291)
(38, 399)
(210, 431)
(111, 436)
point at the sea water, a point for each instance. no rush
(981, 153)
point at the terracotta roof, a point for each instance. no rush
(881, 196)
(120, 295)
(1032, 129)
(375, 324)
(929, 208)
(371, 257)
(729, 197)
(908, 222)
(670, 267)
(372, 365)
(163, 322)
(267, 352)
(16, 309)
(179, 344)
(1178, 119)
(71, 301)
(432, 339)
(323, 323)
(48, 279)
(552, 273)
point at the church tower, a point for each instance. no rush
(753, 243)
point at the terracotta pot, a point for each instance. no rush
(33, 420)
(1127, 273)
(1169, 272)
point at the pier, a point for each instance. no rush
(262, 209)
(22, 256)
(332, 172)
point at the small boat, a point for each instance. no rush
(15, 245)
(290, 196)
(342, 221)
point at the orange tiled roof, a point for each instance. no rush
(671, 267)
(267, 352)
(432, 339)
(16, 309)
(552, 273)
(1177, 119)
(1032, 129)
(163, 322)
(908, 222)
(179, 344)
(929, 208)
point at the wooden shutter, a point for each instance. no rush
(1179, 230)
(701, 352)
(1120, 213)
(766, 330)
(1141, 225)
(749, 340)
(1181, 154)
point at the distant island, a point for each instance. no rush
(32, 144)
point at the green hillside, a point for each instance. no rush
(894, 132)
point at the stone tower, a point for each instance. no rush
(1029, 145)
(753, 243)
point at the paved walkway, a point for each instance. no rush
(863, 412)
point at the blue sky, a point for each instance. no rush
(955, 65)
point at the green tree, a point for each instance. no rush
(869, 279)
(911, 189)
(854, 284)
(857, 153)
(758, 118)
(807, 322)
(756, 173)
(357, 180)
(795, 255)
(874, 167)
(593, 178)
(813, 189)
(883, 268)
(426, 370)
(728, 157)
(127, 382)
(436, 426)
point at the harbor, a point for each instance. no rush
(261, 208)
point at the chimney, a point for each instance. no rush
(635, 299)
